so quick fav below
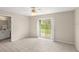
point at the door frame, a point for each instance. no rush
(52, 26)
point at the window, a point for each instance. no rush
(45, 28)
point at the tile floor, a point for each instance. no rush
(35, 45)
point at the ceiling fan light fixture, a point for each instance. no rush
(33, 11)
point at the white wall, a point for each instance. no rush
(19, 25)
(77, 28)
(64, 26)
(33, 27)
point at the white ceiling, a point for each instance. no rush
(40, 10)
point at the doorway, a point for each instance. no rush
(46, 28)
(5, 27)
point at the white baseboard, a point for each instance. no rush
(33, 37)
(64, 41)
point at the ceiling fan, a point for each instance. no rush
(34, 11)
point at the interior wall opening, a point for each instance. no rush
(5, 28)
